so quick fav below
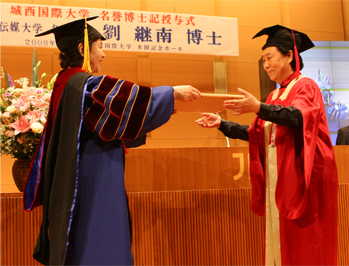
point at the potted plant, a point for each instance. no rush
(23, 114)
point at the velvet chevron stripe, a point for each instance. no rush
(117, 108)
(116, 111)
(138, 113)
(97, 109)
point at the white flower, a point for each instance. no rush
(6, 115)
(37, 127)
(11, 109)
(23, 81)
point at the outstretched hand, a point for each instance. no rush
(248, 104)
(209, 120)
(186, 93)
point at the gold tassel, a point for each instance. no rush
(86, 65)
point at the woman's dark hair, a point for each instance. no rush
(284, 51)
(71, 56)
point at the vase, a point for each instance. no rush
(20, 171)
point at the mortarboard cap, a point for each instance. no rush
(67, 34)
(280, 36)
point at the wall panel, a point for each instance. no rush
(242, 75)
(179, 6)
(18, 62)
(250, 49)
(195, 7)
(250, 13)
(198, 73)
(124, 66)
(326, 16)
(19, 1)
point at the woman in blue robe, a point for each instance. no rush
(77, 173)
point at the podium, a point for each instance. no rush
(191, 206)
(188, 206)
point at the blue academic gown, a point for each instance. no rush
(101, 226)
(96, 229)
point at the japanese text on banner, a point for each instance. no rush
(123, 30)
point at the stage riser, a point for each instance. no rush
(198, 227)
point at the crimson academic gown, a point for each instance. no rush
(304, 185)
(79, 178)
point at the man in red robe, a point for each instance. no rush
(292, 165)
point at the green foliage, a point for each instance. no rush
(51, 83)
(7, 84)
(35, 70)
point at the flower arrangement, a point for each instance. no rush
(23, 114)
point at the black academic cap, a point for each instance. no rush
(67, 34)
(280, 36)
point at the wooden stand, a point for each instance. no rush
(189, 206)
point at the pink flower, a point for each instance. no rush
(20, 140)
(21, 125)
(22, 103)
(40, 91)
(39, 103)
(35, 116)
(9, 133)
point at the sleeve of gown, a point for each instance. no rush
(286, 116)
(119, 109)
(234, 130)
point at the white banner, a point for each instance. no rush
(124, 30)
